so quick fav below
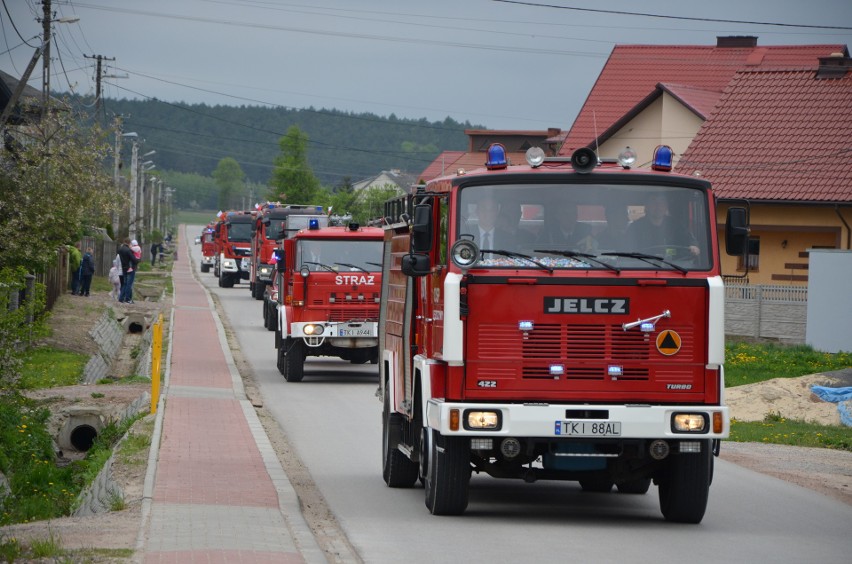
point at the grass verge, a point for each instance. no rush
(749, 363)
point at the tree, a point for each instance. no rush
(371, 202)
(229, 178)
(53, 186)
(293, 181)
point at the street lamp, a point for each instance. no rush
(144, 168)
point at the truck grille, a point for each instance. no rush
(340, 314)
(586, 351)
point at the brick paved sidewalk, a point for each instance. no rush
(215, 491)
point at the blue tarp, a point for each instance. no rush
(841, 396)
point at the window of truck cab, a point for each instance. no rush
(626, 226)
(340, 255)
(239, 232)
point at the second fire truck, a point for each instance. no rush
(328, 296)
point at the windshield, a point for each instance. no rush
(239, 232)
(340, 255)
(591, 226)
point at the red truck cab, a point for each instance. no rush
(273, 223)
(558, 320)
(328, 296)
(232, 239)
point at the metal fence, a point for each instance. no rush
(766, 312)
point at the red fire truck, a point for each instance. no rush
(274, 222)
(328, 296)
(232, 237)
(208, 247)
(571, 345)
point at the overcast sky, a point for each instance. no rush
(498, 63)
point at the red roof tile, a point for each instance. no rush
(778, 135)
(632, 71)
(699, 100)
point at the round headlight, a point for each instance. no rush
(535, 156)
(464, 253)
(305, 271)
(627, 157)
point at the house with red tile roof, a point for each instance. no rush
(782, 140)
(729, 112)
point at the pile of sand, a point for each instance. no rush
(790, 398)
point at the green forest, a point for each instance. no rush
(191, 140)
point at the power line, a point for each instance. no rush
(670, 17)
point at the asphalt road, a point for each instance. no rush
(332, 419)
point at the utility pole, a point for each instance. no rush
(98, 76)
(16, 95)
(45, 79)
(134, 187)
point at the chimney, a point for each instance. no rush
(835, 65)
(734, 41)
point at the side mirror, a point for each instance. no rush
(421, 229)
(736, 231)
(415, 265)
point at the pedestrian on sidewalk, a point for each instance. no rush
(75, 261)
(155, 250)
(115, 280)
(87, 270)
(129, 262)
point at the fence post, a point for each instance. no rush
(156, 356)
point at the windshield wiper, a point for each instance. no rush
(353, 266)
(375, 264)
(325, 266)
(577, 254)
(648, 258)
(512, 254)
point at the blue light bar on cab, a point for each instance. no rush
(496, 157)
(663, 157)
(313, 223)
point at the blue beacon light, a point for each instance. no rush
(313, 223)
(663, 158)
(496, 157)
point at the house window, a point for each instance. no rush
(753, 255)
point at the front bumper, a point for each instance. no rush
(347, 335)
(546, 420)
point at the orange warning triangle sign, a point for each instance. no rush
(668, 342)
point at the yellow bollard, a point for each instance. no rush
(156, 356)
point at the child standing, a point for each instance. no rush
(115, 280)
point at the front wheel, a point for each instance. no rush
(685, 486)
(291, 359)
(448, 474)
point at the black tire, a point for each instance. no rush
(448, 474)
(205, 268)
(291, 359)
(398, 470)
(360, 356)
(685, 486)
(596, 485)
(639, 486)
(257, 290)
(270, 316)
